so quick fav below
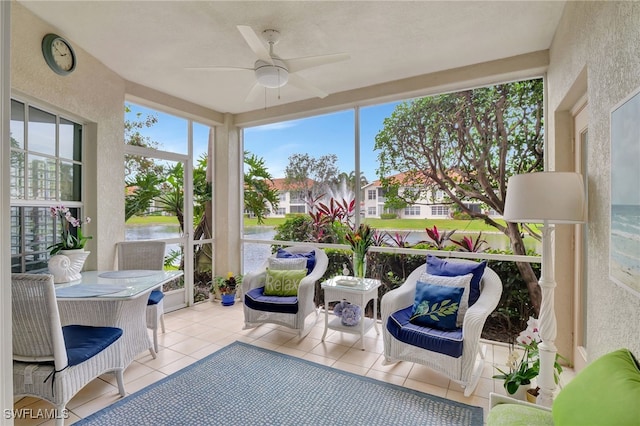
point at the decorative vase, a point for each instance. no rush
(521, 393)
(67, 264)
(359, 265)
(228, 299)
(532, 395)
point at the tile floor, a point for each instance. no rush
(195, 332)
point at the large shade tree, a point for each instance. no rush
(467, 144)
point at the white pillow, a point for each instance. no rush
(288, 263)
(459, 281)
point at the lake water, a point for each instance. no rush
(255, 254)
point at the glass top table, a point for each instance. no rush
(115, 284)
(114, 299)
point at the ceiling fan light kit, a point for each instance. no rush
(273, 75)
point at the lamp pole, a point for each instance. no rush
(547, 321)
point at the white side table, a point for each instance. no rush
(354, 290)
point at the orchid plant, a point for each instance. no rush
(524, 364)
(69, 240)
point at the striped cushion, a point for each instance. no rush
(431, 339)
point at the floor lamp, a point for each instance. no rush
(548, 198)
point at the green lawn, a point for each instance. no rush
(409, 224)
(152, 220)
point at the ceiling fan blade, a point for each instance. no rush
(255, 91)
(301, 83)
(299, 64)
(255, 43)
(216, 68)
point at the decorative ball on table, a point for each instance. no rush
(349, 314)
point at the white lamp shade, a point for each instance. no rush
(553, 197)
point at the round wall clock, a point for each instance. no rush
(58, 54)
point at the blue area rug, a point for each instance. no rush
(246, 385)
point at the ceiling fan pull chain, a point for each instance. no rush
(279, 84)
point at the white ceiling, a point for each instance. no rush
(151, 43)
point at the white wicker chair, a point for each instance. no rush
(146, 255)
(466, 369)
(42, 353)
(305, 298)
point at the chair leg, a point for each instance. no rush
(59, 410)
(477, 371)
(120, 379)
(155, 339)
(161, 324)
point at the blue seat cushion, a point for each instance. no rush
(155, 297)
(83, 342)
(256, 300)
(447, 342)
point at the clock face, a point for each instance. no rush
(62, 54)
(58, 54)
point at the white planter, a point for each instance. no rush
(67, 264)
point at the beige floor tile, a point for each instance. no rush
(425, 387)
(351, 368)
(386, 377)
(358, 357)
(201, 330)
(189, 345)
(425, 374)
(330, 350)
(145, 381)
(177, 365)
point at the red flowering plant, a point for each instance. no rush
(69, 240)
(438, 238)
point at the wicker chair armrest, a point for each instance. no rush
(253, 280)
(400, 297)
(496, 399)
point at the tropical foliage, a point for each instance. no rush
(466, 144)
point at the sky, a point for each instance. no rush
(317, 136)
(321, 135)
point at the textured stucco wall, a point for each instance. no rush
(601, 38)
(94, 93)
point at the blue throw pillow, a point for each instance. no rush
(437, 266)
(436, 306)
(311, 258)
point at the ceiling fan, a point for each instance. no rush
(271, 71)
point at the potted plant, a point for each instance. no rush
(227, 287)
(360, 239)
(524, 363)
(68, 254)
(68, 241)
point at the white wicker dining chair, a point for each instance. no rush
(292, 312)
(465, 369)
(146, 255)
(54, 362)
